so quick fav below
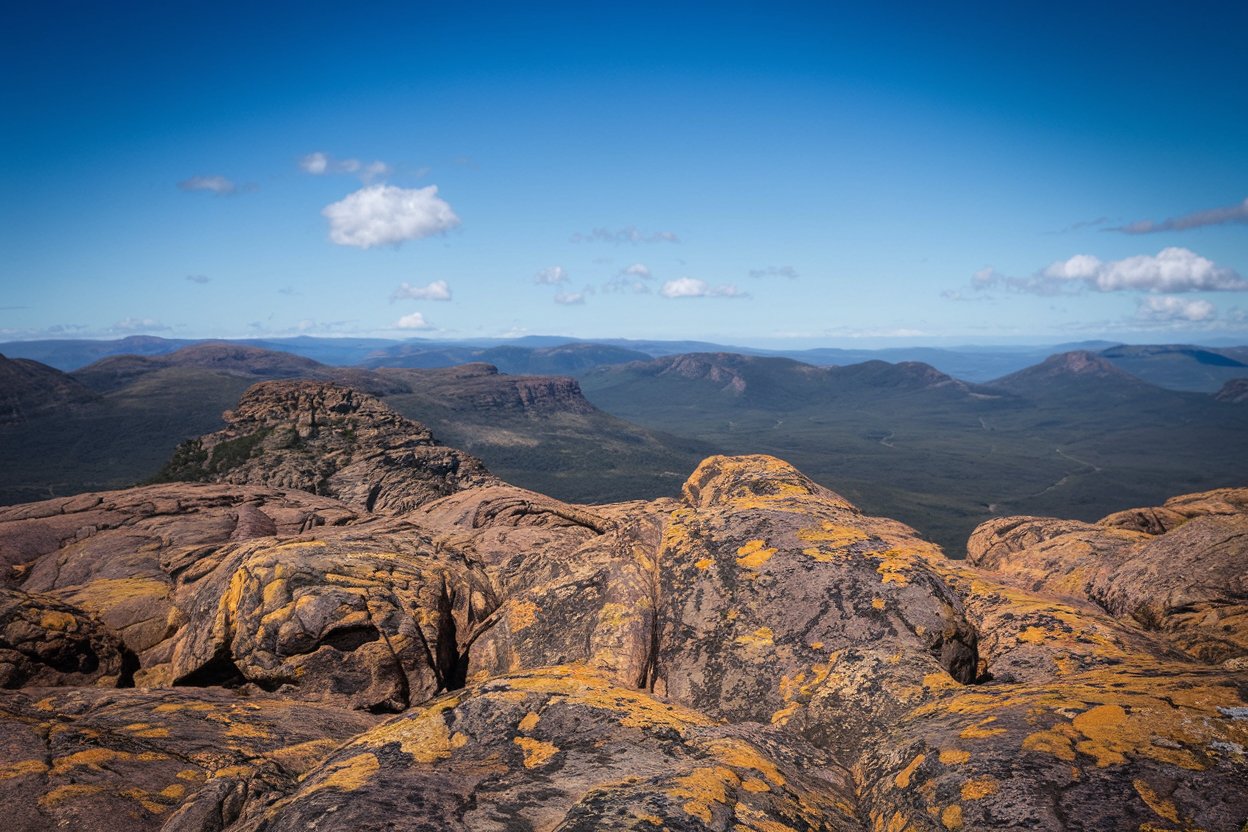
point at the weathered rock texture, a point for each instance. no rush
(328, 440)
(756, 655)
(1180, 569)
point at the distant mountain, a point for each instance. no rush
(1071, 373)
(1181, 366)
(564, 359)
(70, 354)
(115, 372)
(29, 389)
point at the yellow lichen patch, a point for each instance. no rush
(979, 788)
(302, 756)
(978, 731)
(633, 708)
(243, 729)
(191, 774)
(753, 784)
(647, 817)
(702, 787)
(522, 614)
(459, 739)
(940, 681)
(171, 707)
(740, 754)
(832, 535)
(1162, 807)
(1058, 741)
(1034, 635)
(954, 756)
(1104, 727)
(62, 793)
(754, 554)
(93, 758)
(752, 820)
(877, 603)
(762, 637)
(21, 768)
(816, 645)
(902, 780)
(529, 721)
(704, 563)
(174, 791)
(893, 566)
(152, 733)
(536, 752)
(782, 716)
(144, 799)
(104, 594)
(425, 737)
(951, 818)
(346, 775)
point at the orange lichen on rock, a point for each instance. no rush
(902, 780)
(754, 554)
(536, 752)
(979, 788)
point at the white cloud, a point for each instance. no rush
(217, 185)
(1173, 269)
(630, 235)
(1237, 213)
(570, 298)
(378, 215)
(690, 287)
(551, 276)
(437, 290)
(130, 325)
(638, 270)
(1165, 308)
(775, 271)
(319, 164)
(315, 163)
(413, 321)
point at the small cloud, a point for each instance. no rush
(634, 278)
(551, 276)
(199, 278)
(132, 325)
(775, 271)
(570, 298)
(1171, 270)
(1237, 214)
(1167, 309)
(690, 287)
(413, 321)
(378, 215)
(315, 163)
(217, 185)
(629, 235)
(320, 164)
(437, 290)
(1082, 224)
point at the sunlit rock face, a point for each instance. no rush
(345, 634)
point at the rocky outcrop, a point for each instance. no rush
(756, 654)
(480, 387)
(328, 440)
(1176, 569)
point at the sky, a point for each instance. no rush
(763, 174)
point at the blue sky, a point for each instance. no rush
(796, 173)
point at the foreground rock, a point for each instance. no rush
(1177, 569)
(756, 655)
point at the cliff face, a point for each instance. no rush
(756, 654)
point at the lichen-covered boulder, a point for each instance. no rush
(562, 748)
(1177, 570)
(98, 760)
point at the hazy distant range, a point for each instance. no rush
(1175, 366)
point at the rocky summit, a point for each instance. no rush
(322, 619)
